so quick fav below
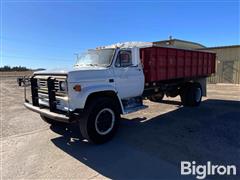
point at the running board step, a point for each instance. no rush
(134, 109)
(133, 104)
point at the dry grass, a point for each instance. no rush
(15, 73)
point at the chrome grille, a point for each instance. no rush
(57, 85)
(43, 88)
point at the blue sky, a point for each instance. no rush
(47, 34)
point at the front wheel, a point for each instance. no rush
(100, 121)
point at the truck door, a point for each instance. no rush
(128, 73)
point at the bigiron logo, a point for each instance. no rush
(202, 171)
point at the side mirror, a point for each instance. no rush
(135, 56)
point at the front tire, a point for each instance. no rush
(100, 120)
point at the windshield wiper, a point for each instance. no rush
(86, 65)
(93, 64)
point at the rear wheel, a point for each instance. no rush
(100, 121)
(157, 97)
(191, 94)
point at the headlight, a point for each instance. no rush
(62, 85)
(38, 83)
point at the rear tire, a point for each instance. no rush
(191, 94)
(100, 120)
(156, 97)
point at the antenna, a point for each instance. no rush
(77, 55)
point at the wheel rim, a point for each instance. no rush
(104, 122)
(159, 96)
(198, 94)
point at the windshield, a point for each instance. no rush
(96, 57)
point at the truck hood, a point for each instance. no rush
(66, 71)
(52, 72)
(82, 73)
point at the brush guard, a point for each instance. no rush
(33, 104)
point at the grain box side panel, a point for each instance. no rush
(180, 63)
(205, 63)
(161, 63)
(188, 64)
(172, 63)
(200, 63)
(148, 58)
(153, 64)
(194, 63)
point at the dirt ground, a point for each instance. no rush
(150, 144)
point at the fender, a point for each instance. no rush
(77, 100)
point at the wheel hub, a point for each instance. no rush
(104, 122)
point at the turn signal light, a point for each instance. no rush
(77, 87)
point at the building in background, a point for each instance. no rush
(227, 59)
(227, 64)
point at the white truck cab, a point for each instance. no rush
(121, 74)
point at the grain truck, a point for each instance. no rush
(107, 82)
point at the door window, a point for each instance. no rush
(124, 59)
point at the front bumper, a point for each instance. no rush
(46, 112)
(46, 89)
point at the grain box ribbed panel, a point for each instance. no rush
(162, 63)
